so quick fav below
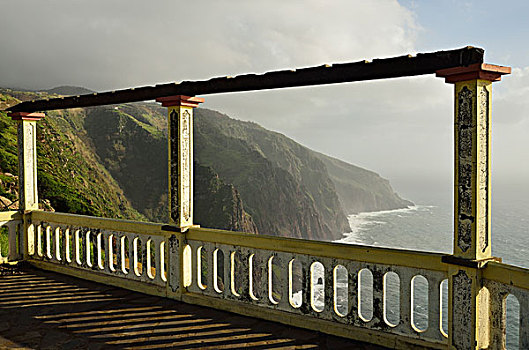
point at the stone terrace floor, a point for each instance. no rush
(43, 310)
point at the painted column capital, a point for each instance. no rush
(26, 116)
(481, 71)
(180, 100)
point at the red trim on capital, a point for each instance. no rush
(180, 100)
(26, 116)
(481, 71)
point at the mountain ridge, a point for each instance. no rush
(247, 178)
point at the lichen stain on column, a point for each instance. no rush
(465, 141)
(462, 308)
(483, 175)
(186, 186)
(30, 135)
(173, 203)
(173, 258)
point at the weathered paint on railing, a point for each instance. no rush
(407, 258)
(310, 284)
(500, 281)
(10, 249)
(276, 277)
(256, 270)
(100, 223)
(133, 253)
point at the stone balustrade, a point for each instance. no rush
(10, 228)
(396, 298)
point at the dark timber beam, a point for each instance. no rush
(423, 63)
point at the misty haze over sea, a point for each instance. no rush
(428, 226)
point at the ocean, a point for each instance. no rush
(429, 227)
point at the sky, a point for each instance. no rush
(401, 128)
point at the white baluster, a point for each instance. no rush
(78, 243)
(434, 305)
(48, 242)
(12, 238)
(57, 244)
(405, 276)
(67, 245)
(523, 299)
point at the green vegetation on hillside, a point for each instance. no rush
(69, 175)
(278, 195)
(135, 154)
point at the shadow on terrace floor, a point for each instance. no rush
(43, 310)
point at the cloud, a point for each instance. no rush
(401, 128)
(510, 144)
(511, 102)
(107, 45)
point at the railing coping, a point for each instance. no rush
(99, 223)
(333, 250)
(510, 275)
(495, 271)
(10, 215)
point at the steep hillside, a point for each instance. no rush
(135, 154)
(69, 175)
(271, 171)
(327, 189)
(131, 142)
(110, 161)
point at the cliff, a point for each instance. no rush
(361, 190)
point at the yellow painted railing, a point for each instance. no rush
(331, 287)
(335, 288)
(396, 298)
(500, 282)
(123, 253)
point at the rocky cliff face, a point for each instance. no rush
(112, 161)
(285, 188)
(361, 190)
(218, 204)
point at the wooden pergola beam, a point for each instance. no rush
(422, 63)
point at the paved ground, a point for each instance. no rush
(42, 310)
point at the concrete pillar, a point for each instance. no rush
(468, 302)
(27, 159)
(180, 136)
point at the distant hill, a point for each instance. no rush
(112, 161)
(361, 190)
(69, 90)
